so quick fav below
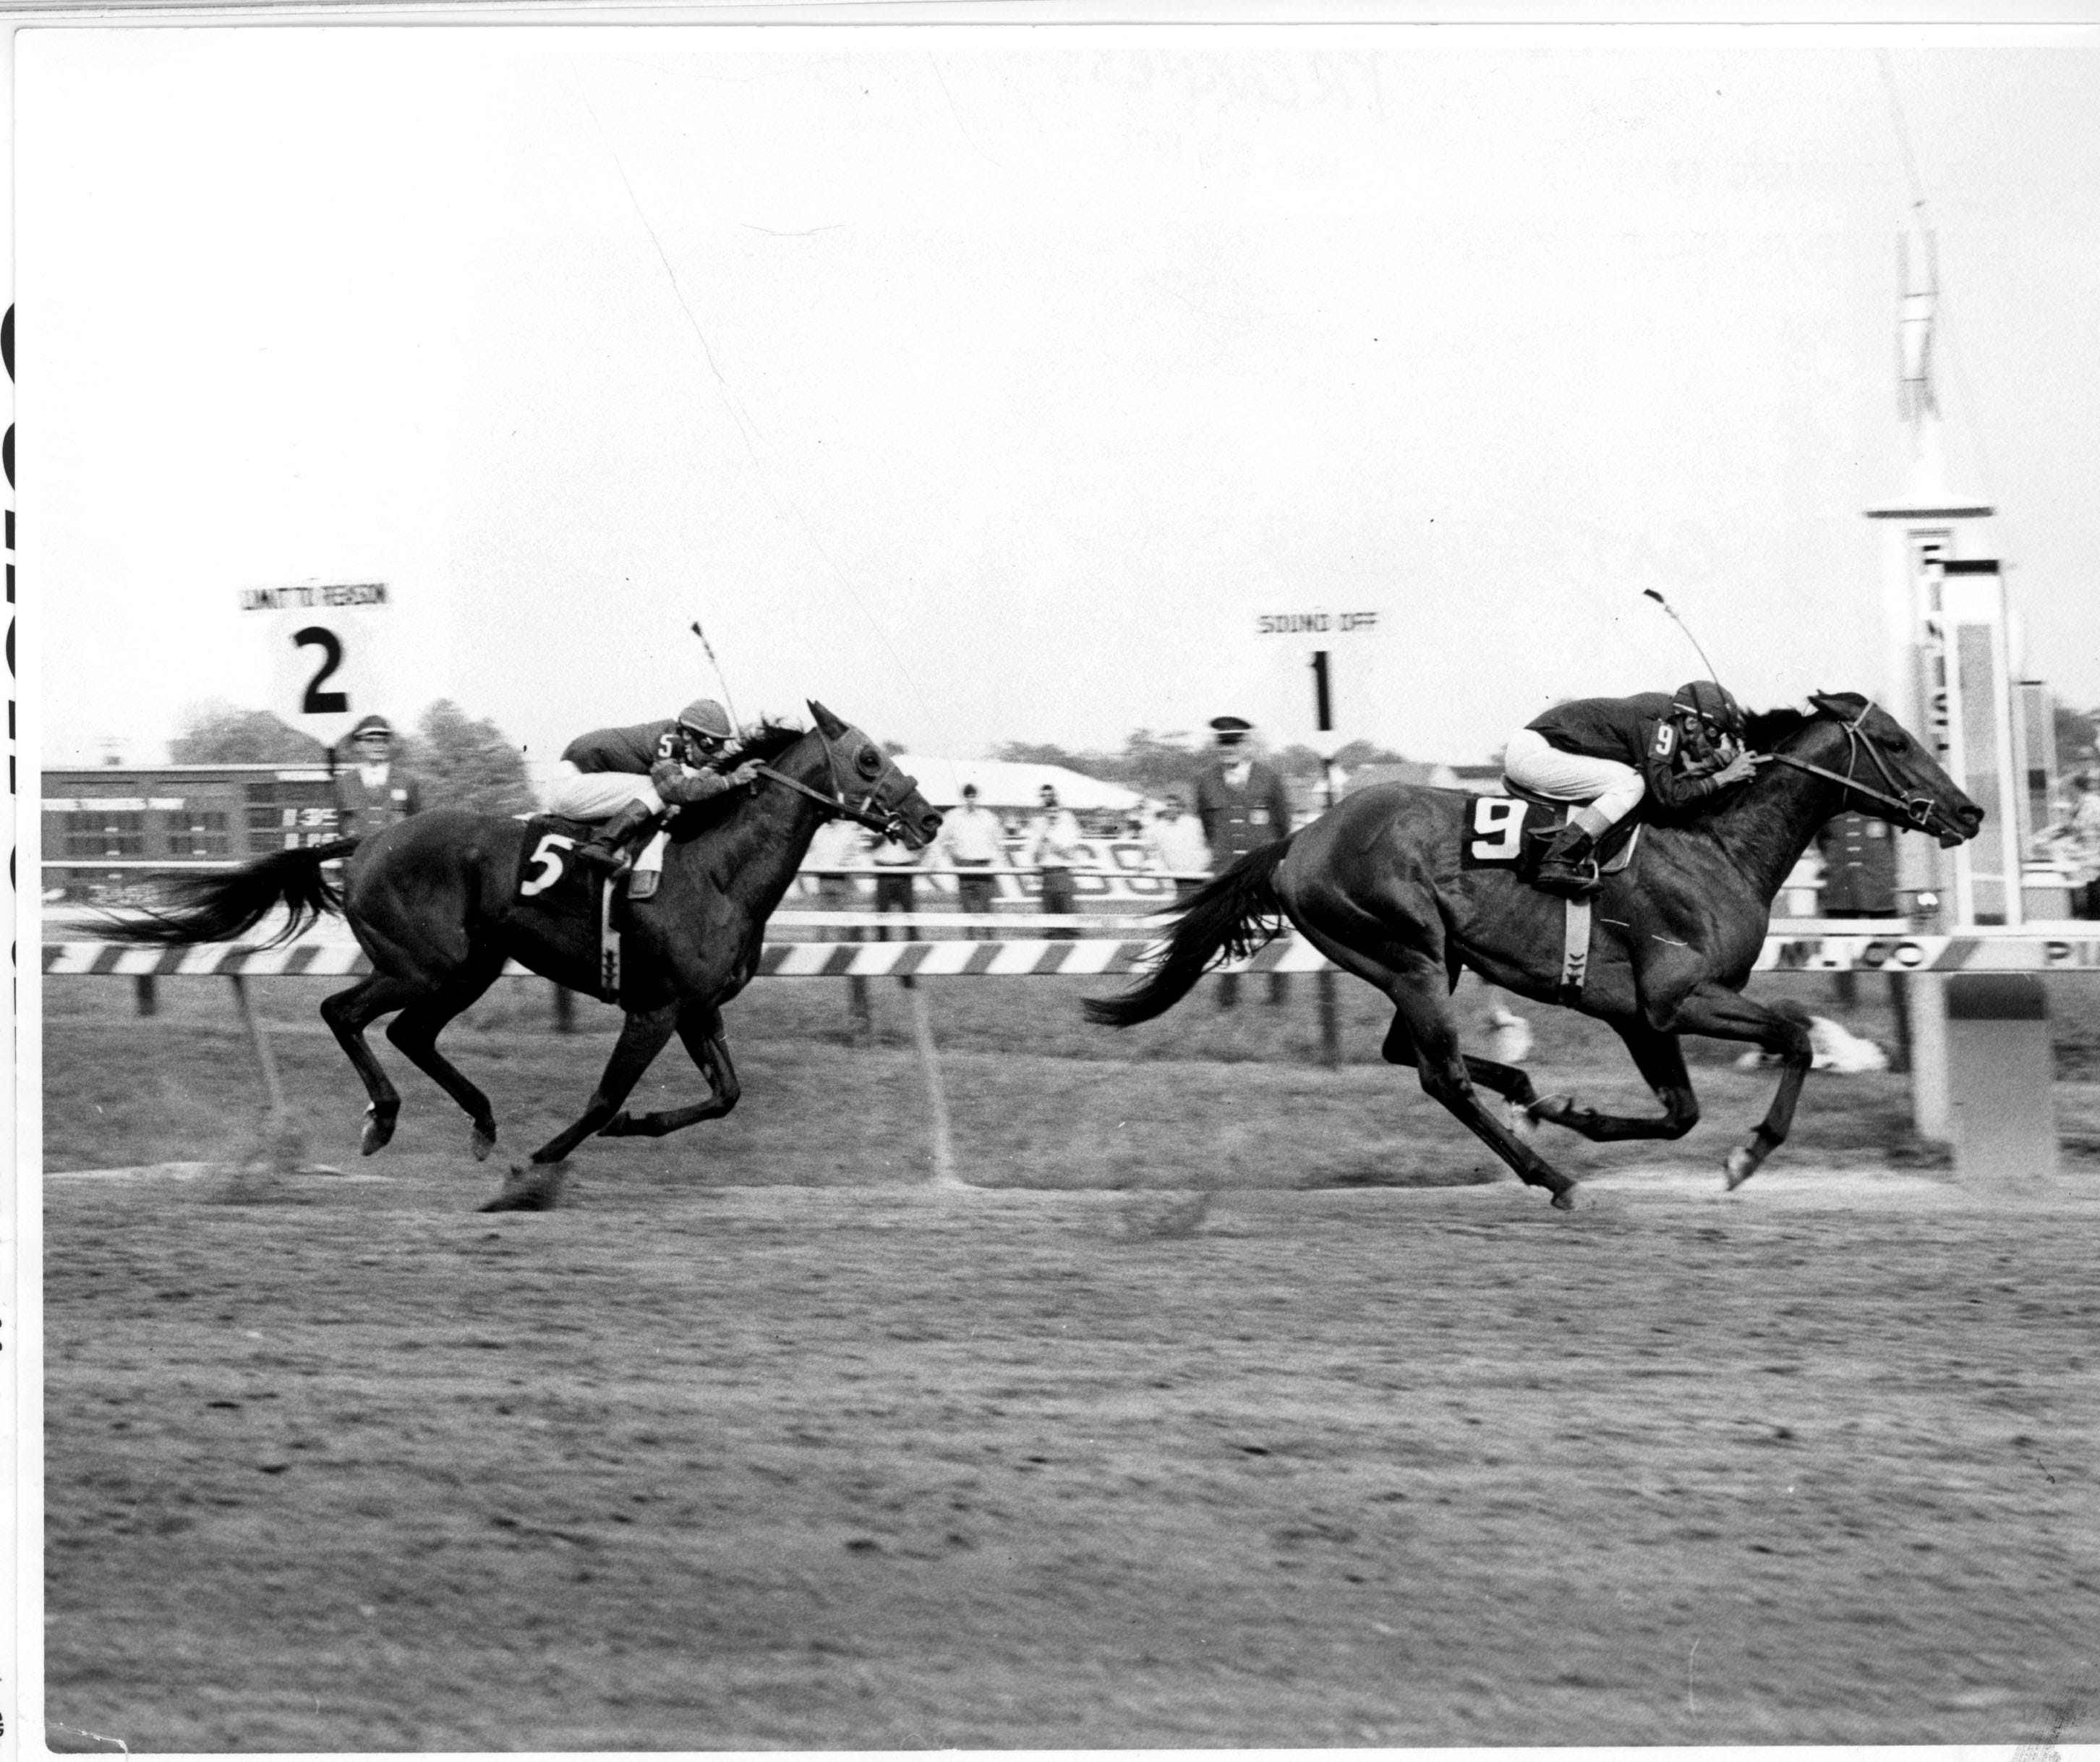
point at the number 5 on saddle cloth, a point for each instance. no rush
(549, 880)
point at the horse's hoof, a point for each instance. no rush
(537, 1188)
(1565, 1199)
(1741, 1165)
(484, 1141)
(377, 1132)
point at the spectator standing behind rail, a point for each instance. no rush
(894, 867)
(1174, 840)
(834, 859)
(1243, 804)
(369, 791)
(1053, 847)
(971, 838)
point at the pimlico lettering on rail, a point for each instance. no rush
(302, 599)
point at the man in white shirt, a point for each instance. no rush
(1053, 848)
(1175, 841)
(974, 843)
(835, 854)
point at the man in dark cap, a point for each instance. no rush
(369, 792)
(633, 774)
(1243, 804)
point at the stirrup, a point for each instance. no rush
(602, 859)
(1571, 882)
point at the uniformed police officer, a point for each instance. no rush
(1243, 802)
(369, 792)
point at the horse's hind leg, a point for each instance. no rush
(1424, 1034)
(348, 1014)
(1662, 1061)
(1514, 1085)
(700, 1028)
(416, 1031)
(1419, 994)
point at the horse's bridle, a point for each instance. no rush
(836, 801)
(1915, 810)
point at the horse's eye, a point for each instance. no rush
(868, 762)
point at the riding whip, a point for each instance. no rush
(723, 678)
(1666, 606)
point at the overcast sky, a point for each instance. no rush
(992, 384)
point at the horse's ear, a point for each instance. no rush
(828, 725)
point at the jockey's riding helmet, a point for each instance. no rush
(704, 716)
(1712, 705)
(372, 725)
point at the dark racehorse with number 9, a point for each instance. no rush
(435, 902)
(1378, 884)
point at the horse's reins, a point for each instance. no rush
(1917, 809)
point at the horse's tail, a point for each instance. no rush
(215, 908)
(1228, 918)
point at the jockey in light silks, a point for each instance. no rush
(1611, 754)
(634, 775)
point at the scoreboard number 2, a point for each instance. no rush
(317, 702)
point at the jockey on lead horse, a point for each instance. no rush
(634, 775)
(1611, 754)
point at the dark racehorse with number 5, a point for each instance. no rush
(1381, 886)
(442, 901)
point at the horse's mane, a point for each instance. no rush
(1764, 729)
(763, 743)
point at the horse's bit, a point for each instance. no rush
(1917, 809)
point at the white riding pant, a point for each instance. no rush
(1612, 787)
(597, 794)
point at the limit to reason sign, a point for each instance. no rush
(327, 643)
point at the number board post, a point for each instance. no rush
(328, 647)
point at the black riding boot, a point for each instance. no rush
(1568, 870)
(606, 851)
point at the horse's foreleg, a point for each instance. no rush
(700, 1029)
(348, 1014)
(640, 1040)
(1661, 1061)
(1780, 1029)
(415, 1029)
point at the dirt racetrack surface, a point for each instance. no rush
(341, 1464)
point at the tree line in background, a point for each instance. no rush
(460, 761)
(1154, 763)
(466, 761)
